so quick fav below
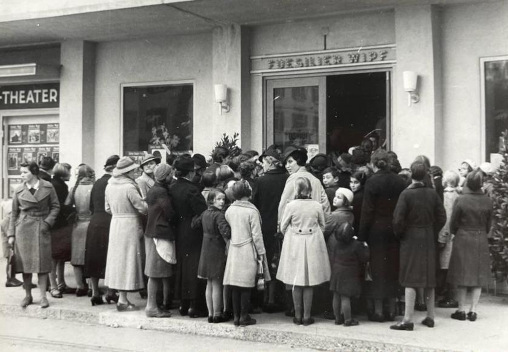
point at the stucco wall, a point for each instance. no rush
(169, 59)
(469, 32)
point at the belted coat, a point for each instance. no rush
(33, 238)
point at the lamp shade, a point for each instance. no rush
(410, 79)
(221, 93)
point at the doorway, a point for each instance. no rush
(329, 113)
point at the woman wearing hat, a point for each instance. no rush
(146, 180)
(466, 167)
(97, 236)
(124, 266)
(159, 241)
(35, 207)
(188, 203)
(418, 217)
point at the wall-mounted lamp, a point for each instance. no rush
(221, 97)
(410, 84)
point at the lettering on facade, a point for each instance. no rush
(338, 57)
(29, 96)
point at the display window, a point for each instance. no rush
(158, 119)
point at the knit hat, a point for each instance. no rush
(161, 172)
(149, 157)
(111, 161)
(124, 165)
(346, 193)
(184, 163)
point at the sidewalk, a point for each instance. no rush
(489, 333)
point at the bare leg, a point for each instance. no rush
(153, 286)
(52, 275)
(43, 284)
(216, 297)
(95, 286)
(122, 297)
(430, 297)
(297, 301)
(27, 284)
(475, 297)
(410, 296)
(60, 273)
(461, 297)
(308, 293)
(208, 296)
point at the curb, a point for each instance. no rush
(308, 339)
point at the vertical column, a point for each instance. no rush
(416, 129)
(231, 67)
(77, 102)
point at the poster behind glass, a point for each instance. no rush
(496, 103)
(157, 118)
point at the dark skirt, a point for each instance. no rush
(212, 261)
(155, 266)
(61, 243)
(97, 240)
(418, 258)
(346, 282)
(470, 260)
(384, 266)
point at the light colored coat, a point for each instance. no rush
(245, 246)
(304, 257)
(124, 266)
(289, 193)
(144, 182)
(445, 236)
(33, 239)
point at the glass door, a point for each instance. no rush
(296, 113)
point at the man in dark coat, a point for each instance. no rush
(381, 193)
(188, 203)
(266, 195)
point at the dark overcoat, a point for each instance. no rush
(380, 197)
(418, 217)
(160, 213)
(33, 238)
(188, 203)
(266, 197)
(216, 231)
(470, 222)
(346, 261)
(61, 238)
(357, 209)
(97, 236)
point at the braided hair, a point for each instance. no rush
(84, 171)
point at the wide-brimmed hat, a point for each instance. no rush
(184, 163)
(274, 151)
(111, 161)
(200, 161)
(487, 168)
(293, 150)
(150, 157)
(124, 165)
(319, 162)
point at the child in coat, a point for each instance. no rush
(445, 239)
(331, 183)
(212, 262)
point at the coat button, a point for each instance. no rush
(300, 230)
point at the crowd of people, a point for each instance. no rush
(336, 235)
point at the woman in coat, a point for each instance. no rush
(124, 266)
(61, 243)
(245, 249)
(418, 217)
(97, 235)
(146, 180)
(470, 261)
(159, 242)
(35, 207)
(380, 196)
(79, 197)
(188, 203)
(266, 196)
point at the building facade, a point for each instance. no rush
(83, 82)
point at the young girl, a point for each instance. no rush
(216, 232)
(304, 259)
(451, 182)
(245, 249)
(356, 184)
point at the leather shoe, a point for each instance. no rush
(351, 322)
(339, 320)
(428, 322)
(183, 311)
(27, 301)
(472, 316)
(126, 307)
(297, 321)
(459, 315)
(403, 326)
(307, 322)
(80, 292)
(13, 283)
(247, 321)
(194, 313)
(157, 313)
(218, 319)
(44, 302)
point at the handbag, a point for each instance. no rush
(166, 249)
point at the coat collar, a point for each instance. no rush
(416, 185)
(278, 170)
(150, 181)
(244, 204)
(42, 192)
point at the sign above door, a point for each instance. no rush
(317, 60)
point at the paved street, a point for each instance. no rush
(30, 334)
